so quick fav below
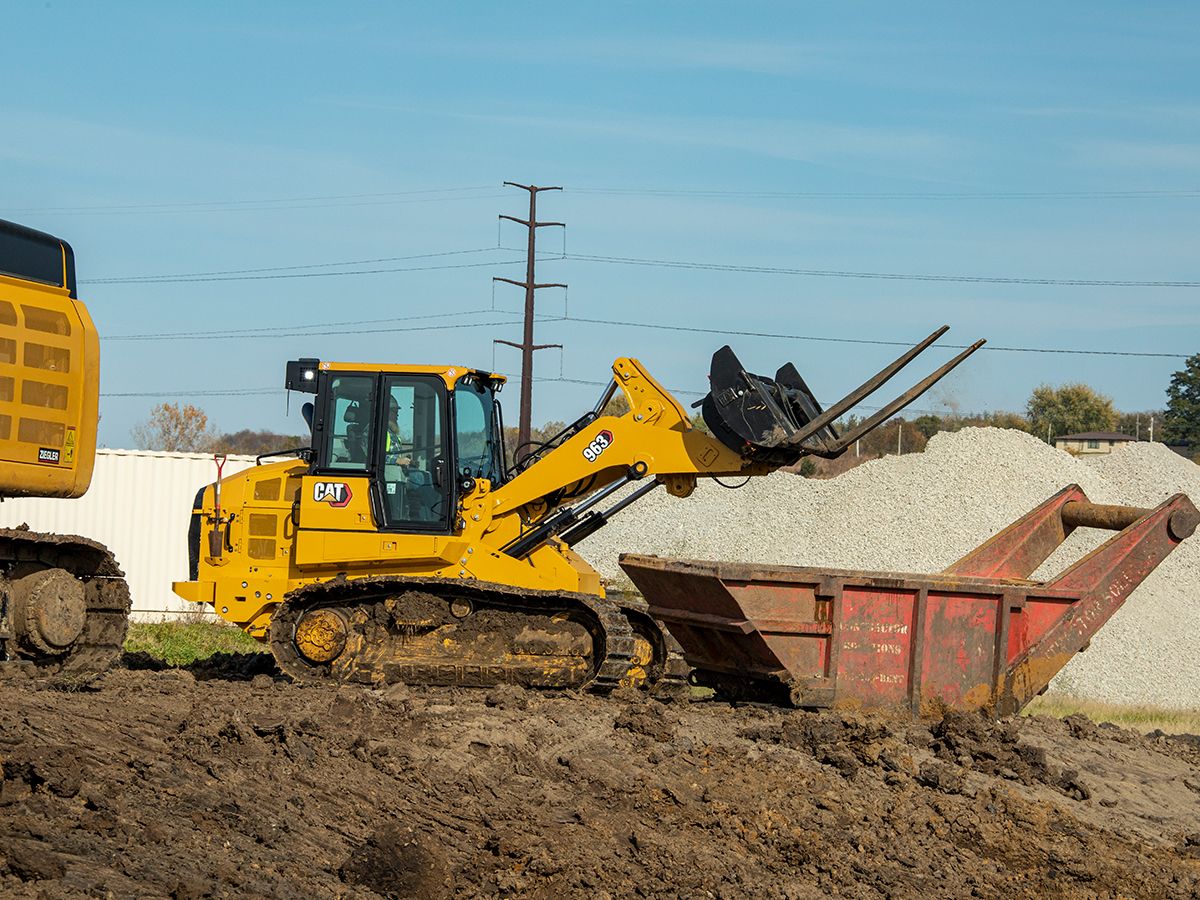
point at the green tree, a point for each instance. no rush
(1070, 409)
(928, 425)
(1181, 425)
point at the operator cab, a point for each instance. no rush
(419, 435)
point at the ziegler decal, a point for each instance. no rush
(599, 444)
(46, 455)
(336, 493)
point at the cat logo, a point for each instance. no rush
(336, 493)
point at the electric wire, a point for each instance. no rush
(1171, 193)
(274, 272)
(219, 205)
(177, 279)
(308, 330)
(842, 340)
(886, 276)
(274, 329)
(236, 335)
(131, 279)
(427, 193)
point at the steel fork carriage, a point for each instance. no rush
(779, 420)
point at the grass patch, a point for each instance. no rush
(182, 643)
(1137, 718)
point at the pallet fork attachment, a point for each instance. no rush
(780, 420)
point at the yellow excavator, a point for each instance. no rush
(402, 545)
(64, 602)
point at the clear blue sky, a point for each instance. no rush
(163, 139)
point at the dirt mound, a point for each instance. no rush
(170, 784)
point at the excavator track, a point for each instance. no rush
(64, 604)
(384, 629)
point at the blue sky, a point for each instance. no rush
(163, 139)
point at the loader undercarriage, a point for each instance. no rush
(385, 629)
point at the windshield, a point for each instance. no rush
(475, 431)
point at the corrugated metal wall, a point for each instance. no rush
(138, 506)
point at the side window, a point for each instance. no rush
(474, 432)
(416, 481)
(349, 421)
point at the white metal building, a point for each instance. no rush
(138, 506)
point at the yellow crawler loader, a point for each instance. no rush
(401, 545)
(63, 599)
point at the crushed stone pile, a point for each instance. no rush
(923, 511)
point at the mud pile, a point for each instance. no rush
(162, 783)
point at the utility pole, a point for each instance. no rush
(527, 346)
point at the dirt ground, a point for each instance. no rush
(226, 781)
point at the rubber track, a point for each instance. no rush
(610, 629)
(107, 597)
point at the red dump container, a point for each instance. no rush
(978, 635)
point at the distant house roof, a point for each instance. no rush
(1096, 436)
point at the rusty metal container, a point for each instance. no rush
(978, 635)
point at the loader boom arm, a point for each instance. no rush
(656, 433)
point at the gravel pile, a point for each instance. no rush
(921, 512)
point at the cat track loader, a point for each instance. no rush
(64, 602)
(401, 545)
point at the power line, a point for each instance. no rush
(1173, 193)
(276, 272)
(299, 331)
(272, 331)
(233, 392)
(839, 340)
(427, 194)
(245, 392)
(220, 205)
(164, 278)
(888, 276)
(129, 279)
(242, 335)
(602, 384)
(175, 279)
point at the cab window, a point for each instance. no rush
(475, 432)
(416, 481)
(349, 422)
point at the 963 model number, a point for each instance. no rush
(599, 444)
